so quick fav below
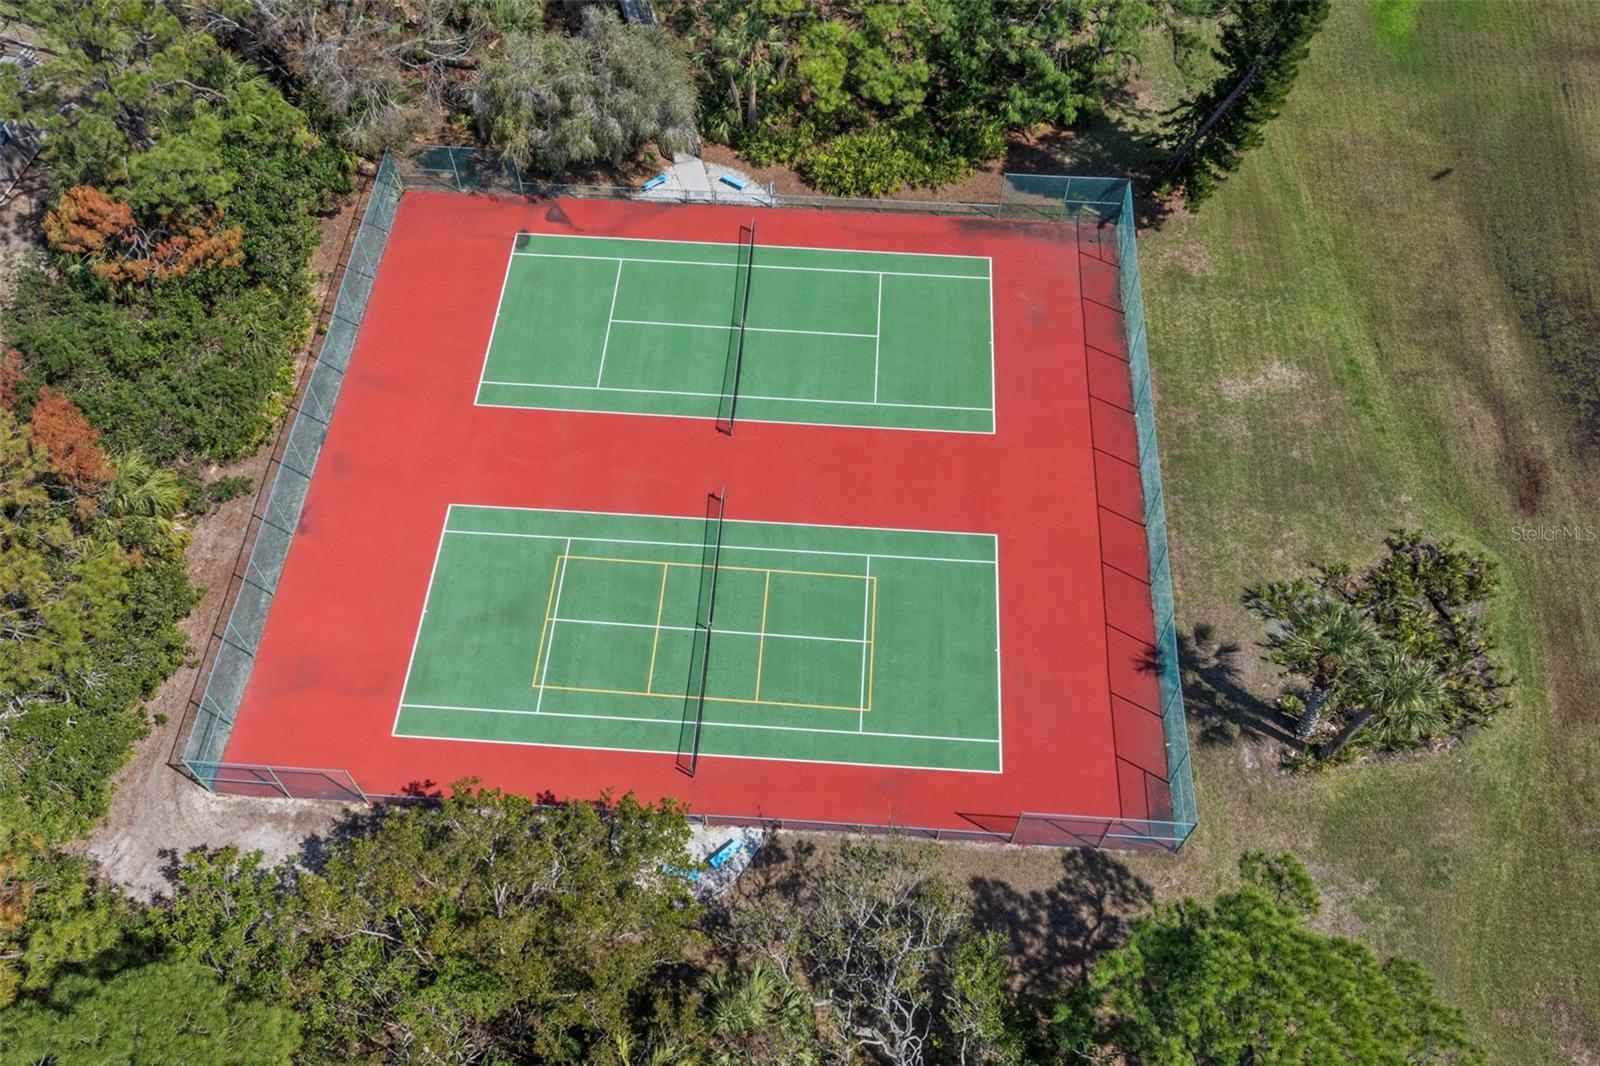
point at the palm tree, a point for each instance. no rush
(1321, 640)
(750, 50)
(761, 1016)
(1405, 699)
(143, 488)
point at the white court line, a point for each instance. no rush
(866, 605)
(986, 277)
(555, 612)
(725, 244)
(742, 396)
(719, 630)
(748, 329)
(719, 725)
(999, 715)
(703, 754)
(725, 547)
(427, 594)
(483, 371)
(877, 342)
(994, 399)
(754, 266)
(616, 287)
(439, 549)
(735, 522)
(769, 421)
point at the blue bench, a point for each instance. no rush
(659, 179)
(734, 180)
(691, 876)
(719, 858)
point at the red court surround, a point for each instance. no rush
(1057, 482)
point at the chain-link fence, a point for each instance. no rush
(1169, 799)
(229, 659)
(1053, 198)
(1045, 197)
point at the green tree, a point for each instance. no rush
(61, 586)
(179, 136)
(750, 49)
(759, 1015)
(140, 487)
(1323, 641)
(1397, 654)
(482, 929)
(379, 72)
(57, 919)
(89, 606)
(1243, 979)
(1262, 45)
(135, 102)
(550, 100)
(865, 96)
(981, 1016)
(1404, 699)
(884, 951)
(156, 1014)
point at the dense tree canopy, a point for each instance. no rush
(480, 929)
(599, 95)
(155, 1014)
(865, 96)
(90, 598)
(185, 182)
(1243, 979)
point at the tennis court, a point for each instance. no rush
(488, 555)
(803, 335)
(825, 644)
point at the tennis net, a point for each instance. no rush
(694, 695)
(729, 400)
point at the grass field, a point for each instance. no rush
(830, 337)
(828, 644)
(1354, 323)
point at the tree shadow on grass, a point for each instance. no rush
(1215, 697)
(1055, 934)
(1117, 143)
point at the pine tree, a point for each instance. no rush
(1262, 45)
(1247, 979)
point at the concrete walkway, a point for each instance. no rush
(690, 178)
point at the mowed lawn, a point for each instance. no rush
(1344, 343)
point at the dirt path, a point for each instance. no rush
(157, 814)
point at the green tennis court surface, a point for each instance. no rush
(830, 644)
(831, 337)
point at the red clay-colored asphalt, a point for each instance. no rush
(1056, 482)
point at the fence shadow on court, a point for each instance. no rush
(1055, 934)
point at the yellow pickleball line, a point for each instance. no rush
(549, 602)
(761, 646)
(655, 642)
